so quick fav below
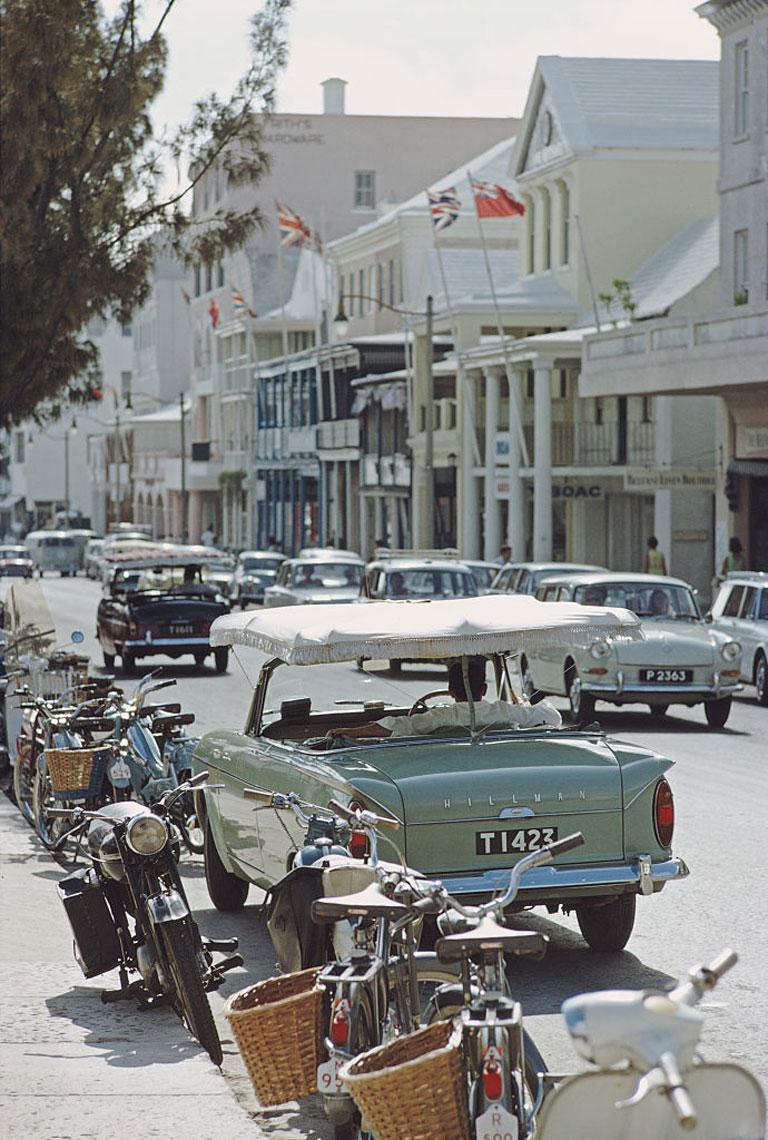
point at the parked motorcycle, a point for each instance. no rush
(129, 910)
(650, 1080)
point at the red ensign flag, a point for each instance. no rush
(493, 201)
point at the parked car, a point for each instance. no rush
(740, 611)
(255, 570)
(16, 567)
(416, 574)
(92, 564)
(682, 660)
(483, 573)
(55, 550)
(326, 576)
(524, 577)
(159, 604)
(469, 801)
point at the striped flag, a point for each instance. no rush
(445, 207)
(238, 301)
(294, 232)
(493, 201)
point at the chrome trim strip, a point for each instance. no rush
(638, 687)
(568, 879)
(192, 642)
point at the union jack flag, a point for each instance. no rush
(294, 231)
(445, 207)
(493, 201)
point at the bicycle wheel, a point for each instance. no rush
(190, 999)
(49, 830)
(365, 1036)
(22, 790)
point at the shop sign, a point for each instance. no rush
(751, 441)
(560, 490)
(670, 479)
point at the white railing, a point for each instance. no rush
(657, 337)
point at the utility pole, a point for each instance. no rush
(184, 505)
(429, 428)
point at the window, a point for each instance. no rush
(365, 189)
(747, 610)
(361, 292)
(126, 329)
(646, 413)
(380, 281)
(220, 274)
(197, 280)
(546, 204)
(740, 267)
(125, 382)
(565, 224)
(731, 607)
(741, 75)
(19, 447)
(598, 410)
(531, 238)
(208, 278)
(391, 282)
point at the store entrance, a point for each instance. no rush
(758, 523)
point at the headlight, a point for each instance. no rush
(730, 651)
(600, 649)
(146, 835)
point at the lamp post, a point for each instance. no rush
(341, 327)
(72, 430)
(184, 501)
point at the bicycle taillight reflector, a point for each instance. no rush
(340, 1023)
(492, 1081)
(358, 845)
(663, 813)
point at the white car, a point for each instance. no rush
(328, 576)
(524, 577)
(740, 611)
(254, 572)
(682, 659)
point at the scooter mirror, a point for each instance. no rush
(77, 637)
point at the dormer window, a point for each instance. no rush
(741, 76)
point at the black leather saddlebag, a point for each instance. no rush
(298, 941)
(97, 948)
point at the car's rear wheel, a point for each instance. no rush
(658, 710)
(717, 712)
(221, 657)
(227, 891)
(761, 680)
(582, 704)
(609, 926)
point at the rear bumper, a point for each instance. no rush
(160, 644)
(546, 884)
(622, 691)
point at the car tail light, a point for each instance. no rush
(493, 1085)
(358, 845)
(133, 629)
(356, 805)
(340, 1023)
(663, 813)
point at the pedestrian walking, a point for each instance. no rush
(734, 559)
(655, 562)
(207, 537)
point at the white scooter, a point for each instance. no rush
(651, 1084)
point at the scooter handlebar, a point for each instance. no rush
(724, 962)
(366, 818)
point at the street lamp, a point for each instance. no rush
(341, 328)
(72, 430)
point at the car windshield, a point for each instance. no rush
(762, 613)
(265, 564)
(430, 583)
(161, 578)
(327, 574)
(648, 600)
(483, 575)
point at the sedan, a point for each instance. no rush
(524, 577)
(682, 660)
(254, 572)
(334, 577)
(740, 610)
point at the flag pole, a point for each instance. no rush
(513, 404)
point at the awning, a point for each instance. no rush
(756, 467)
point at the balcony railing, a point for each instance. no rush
(597, 445)
(385, 471)
(338, 434)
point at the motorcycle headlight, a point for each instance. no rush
(730, 651)
(600, 649)
(146, 835)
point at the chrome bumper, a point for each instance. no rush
(190, 642)
(621, 687)
(642, 876)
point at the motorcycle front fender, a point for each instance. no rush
(167, 906)
(728, 1100)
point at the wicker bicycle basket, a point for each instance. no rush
(76, 773)
(278, 1028)
(413, 1088)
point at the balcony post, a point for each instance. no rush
(468, 507)
(542, 465)
(492, 528)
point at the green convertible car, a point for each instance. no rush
(475, 784)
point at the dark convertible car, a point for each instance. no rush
(158, 603)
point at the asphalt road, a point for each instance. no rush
(720, 784)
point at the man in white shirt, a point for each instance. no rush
(456, 714)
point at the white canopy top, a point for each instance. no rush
(318, 635)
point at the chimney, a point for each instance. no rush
(333, 96)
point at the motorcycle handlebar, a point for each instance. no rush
(364, 817)
(724, 962)
(257, 794)
(171, 720)
(91, 724)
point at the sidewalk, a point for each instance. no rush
(70, 1067)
